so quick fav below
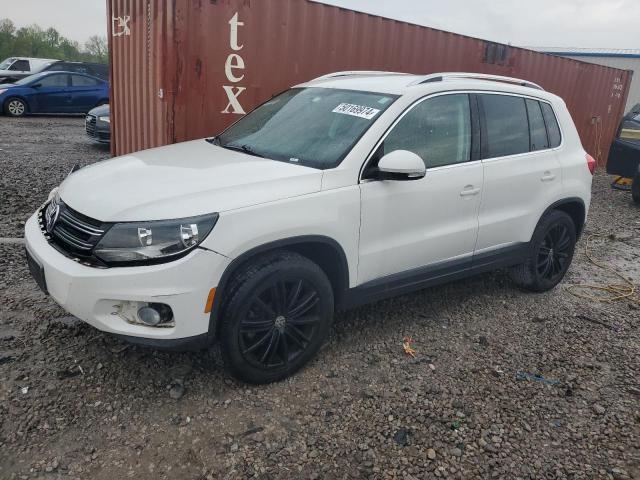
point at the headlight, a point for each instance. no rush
(104, 119)
(2, 90)
(153, 242)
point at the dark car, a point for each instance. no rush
(53, 92)
(100, 70)
(98, 124)
(624, 156)
(32, 66)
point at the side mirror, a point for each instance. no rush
(401, 165)
(36, 85)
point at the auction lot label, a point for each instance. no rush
(356, 110)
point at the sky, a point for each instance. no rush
(537, 23)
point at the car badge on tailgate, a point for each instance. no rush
(51, 214)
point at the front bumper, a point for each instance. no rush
(90, 293)
(97, 130)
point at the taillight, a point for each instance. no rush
(591, 163)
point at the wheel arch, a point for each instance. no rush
(326, 252)
(574, 207)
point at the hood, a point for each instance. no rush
(182, 180)
(7, 85)
(101, 111)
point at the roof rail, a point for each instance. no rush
(349, 73)
(439, 77)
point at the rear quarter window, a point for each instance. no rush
(539, 140)
(555, 138)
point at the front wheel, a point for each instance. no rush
(15, 107)
(550, 253)
(279, 313)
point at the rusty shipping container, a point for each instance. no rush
(185, 69)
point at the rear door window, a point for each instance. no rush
(539, 140)
(506, 125)
(555, 138)
(81, 81)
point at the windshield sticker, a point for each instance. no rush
(356, 110)
(384, 100)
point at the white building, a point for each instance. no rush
(617, 58)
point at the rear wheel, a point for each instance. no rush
(550, 253)
(279, 313)
(635, 188)
(15, 107)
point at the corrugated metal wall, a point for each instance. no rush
(621, 63)
(139, 49)
(214, 59)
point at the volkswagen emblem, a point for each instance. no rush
(51, 213)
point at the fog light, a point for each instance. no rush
(155, 314)
(149, 316)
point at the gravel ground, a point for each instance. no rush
(75, 402)
(36, 154)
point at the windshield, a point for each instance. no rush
(6, 64)
(315, 127)
(30, 78)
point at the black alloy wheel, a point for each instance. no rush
(277, 312)
(554, 252)
(549, 254)
(279, 323)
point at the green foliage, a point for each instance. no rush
(33, 41)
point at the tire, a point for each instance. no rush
(635, 189)
(15, 107)
(550, 253)
(278, 314)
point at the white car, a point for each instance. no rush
(343, 190)
(15, 68)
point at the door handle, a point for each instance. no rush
(547, 176)
(469, 190)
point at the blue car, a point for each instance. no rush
(53, 92)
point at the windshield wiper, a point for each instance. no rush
(213, 140)
(242, 148)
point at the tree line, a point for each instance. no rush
(34, 41)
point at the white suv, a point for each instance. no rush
(343, 190)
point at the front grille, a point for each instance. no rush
(90, 125)
(71, 232)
